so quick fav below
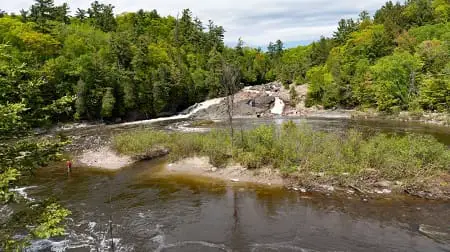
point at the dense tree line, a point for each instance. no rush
(134, 65)
(96, 65)
(397, 60)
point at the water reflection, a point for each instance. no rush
(155, 212)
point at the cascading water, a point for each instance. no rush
(191, 111)
(278, 107)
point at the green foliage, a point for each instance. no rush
(345, 28)
(50, 221)
(108, 102)
(156, 65)
(322, 88)
(11, 119)
(6, 179)
(293, 95)
(18, 160)
(435, 54)
(150, 64)
(295, 62)
(37, 221)
(439, 31)
(297, 149)
(96, 65)
(365, 65)
(27, 100)
(441, 10)
(435, 94)
(395, 79)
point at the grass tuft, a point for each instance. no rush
(297, 150)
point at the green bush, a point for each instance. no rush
(297, 148)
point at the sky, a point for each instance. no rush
(257, 22)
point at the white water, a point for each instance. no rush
(21, 192)
(93, 238)
(278, 107)
(185, 127)
(192, 111)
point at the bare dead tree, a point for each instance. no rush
(230, 83)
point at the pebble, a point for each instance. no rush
(384, 191)
(303, 190)
(383, 183)
(234, 180)
(328, 187)
(214, 169)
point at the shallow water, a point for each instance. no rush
(151, 212)
(155, 213)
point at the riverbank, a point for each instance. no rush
(273, 99)
(104, 158)
(306, 160)
(435, 118)
(232, 172)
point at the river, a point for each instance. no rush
(150, 212)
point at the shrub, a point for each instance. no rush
(297, 148)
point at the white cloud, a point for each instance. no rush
(257, 21)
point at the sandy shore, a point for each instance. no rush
(104, 158)
(200, 166)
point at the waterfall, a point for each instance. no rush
(278, 107)
(190, 112)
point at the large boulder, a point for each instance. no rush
(263, 102)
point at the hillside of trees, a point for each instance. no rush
(397, 60)
(95, 65)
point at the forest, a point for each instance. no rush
(96, 65)
(62, 65)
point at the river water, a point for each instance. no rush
(150, 212)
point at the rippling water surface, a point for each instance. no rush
(154, 213)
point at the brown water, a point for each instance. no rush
(154, 213)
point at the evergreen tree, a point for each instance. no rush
(81, 14)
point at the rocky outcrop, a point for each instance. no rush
(249, 102)
(262, 102)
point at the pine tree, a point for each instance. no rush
(108, 102)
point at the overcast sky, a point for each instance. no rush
(257, 21)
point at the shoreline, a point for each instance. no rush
(431, 119)
(428, 118)
(199, 166)
(269, 101)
